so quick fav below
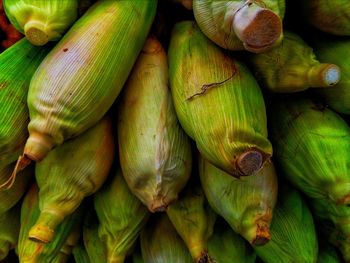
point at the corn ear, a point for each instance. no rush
(336, 51)
(9, 197)
(194, 221)
(81, 77)
(155, 153)
(17, 66)
(280, 70)
(69, 173)
(41, 21)
(121, 216)
(30, 251)
(246, 204)
(227, 246)
(312, 146)
(255, 26)
(218, 102)
(329, 16)
(92, 242)
(9, 226)
(160, 242)
(293, 234)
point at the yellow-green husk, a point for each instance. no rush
(194, 221)
(81, 77)
(30, 251)
(218, 102)
(281, 70)
(246, 204)
(160, 242)
(121, 217)
(155, 153)
(69, 173)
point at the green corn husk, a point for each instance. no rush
(246, 204)
(328, 254)
(280, 70)
(334, 223)
(121, 216)
(30, 251)
(9, 226)
(81, 77)
(17, 66)
(329, 16)
(69, 173)
(293, 234)
(92, 242)
(41, 21)
(9, 197)
(336, 51)
(155, 153)
(312, 145)
(80, 254)
(255, 26)
(160, 242)
(194, 221)
(218, 102)
(226, 246)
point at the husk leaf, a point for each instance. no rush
(121, 216)
(155, 153)
(218, 102)
(312, 146)
(69, 173)
(246, 204)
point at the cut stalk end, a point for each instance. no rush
(44, 229)
(257, 27)
(38, 146)
(262, 234)
(324, 75)
(36, 33)
(204, 258)
(158, 204)
(41, 234)
(250, 162)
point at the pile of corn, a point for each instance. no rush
(176, 131)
